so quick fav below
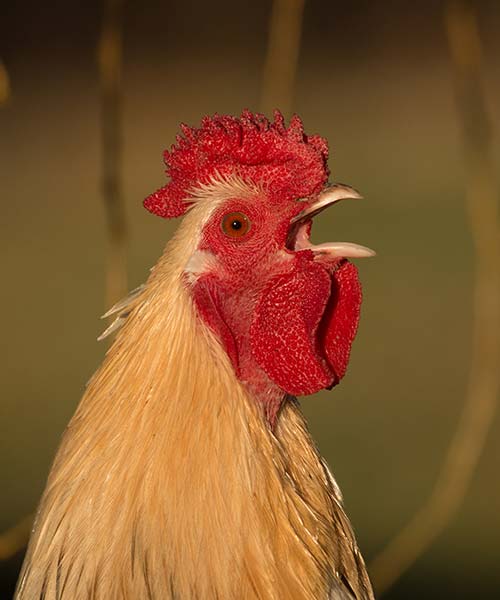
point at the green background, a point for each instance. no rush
(374, 78)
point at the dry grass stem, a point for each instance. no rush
(110, 52)
(110, 67)
(282, 55)
(482, 395)
(15, 539)
(5, 89)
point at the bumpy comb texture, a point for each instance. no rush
(284, 161)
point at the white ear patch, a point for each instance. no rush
(200, 262)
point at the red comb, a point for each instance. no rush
(286, 162)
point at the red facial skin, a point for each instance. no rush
(286, 318)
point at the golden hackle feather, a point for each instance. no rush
(169, 482)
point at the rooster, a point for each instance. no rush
(188, 471)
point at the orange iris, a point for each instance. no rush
(235, 224)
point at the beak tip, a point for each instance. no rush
(339, 191)
(349, 193)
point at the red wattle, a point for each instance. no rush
(302, 328)
(283, 332)
(340, 320)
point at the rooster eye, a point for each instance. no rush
(235, 224)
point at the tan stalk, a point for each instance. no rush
(110, 57)
(14, 539)
(5, 89)
(110, 51)
(282, 56)
(478, 411)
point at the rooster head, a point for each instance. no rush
(286, 311)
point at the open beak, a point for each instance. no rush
(300, 230)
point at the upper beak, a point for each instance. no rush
(332, 194)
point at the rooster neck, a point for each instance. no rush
(169, 482)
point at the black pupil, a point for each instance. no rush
(236, 224)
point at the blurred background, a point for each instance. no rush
(375, 78)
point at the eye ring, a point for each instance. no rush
(235, 225)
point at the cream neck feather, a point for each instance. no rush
(170, 484)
